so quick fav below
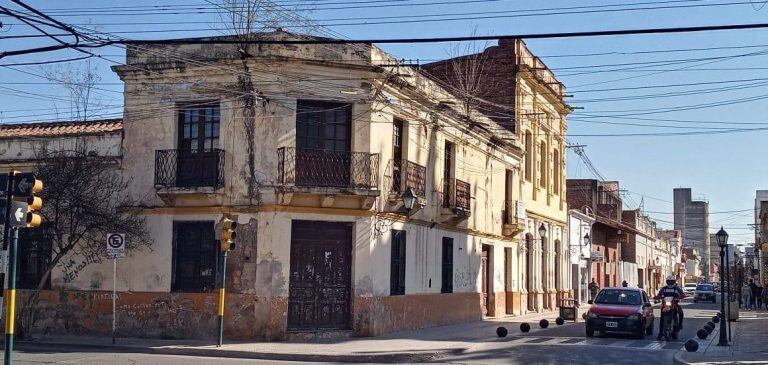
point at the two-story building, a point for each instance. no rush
(608, 233)
(524, 96)
(367, 202)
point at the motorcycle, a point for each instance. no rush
(669, 317)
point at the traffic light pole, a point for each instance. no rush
(222, 294)
(10, 310)
(6, 225)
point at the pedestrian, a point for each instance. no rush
(756, 294)
(593, 288)
(765, 295)
(746, 296)
(624, 283)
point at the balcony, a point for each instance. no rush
(180, 170)
(403, 175)
(456, 195)
(513, 218)
(327, 173)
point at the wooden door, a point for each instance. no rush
(486, 279)
(320, 275)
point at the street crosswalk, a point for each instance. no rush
(601, 342)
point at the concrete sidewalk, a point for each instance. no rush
(412, 346)
(749, 343)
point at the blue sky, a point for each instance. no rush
(724, 168)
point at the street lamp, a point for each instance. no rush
(542, 231)
(586, 239)
(722, 240)
(409, 199)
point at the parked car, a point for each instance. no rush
(689, 289)
(621, 310)
(705, 293)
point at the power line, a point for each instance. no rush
(639, 31)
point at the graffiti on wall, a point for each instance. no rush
(71, 269)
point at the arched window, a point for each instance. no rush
(528, 156)
(556, 167)
(543, 165)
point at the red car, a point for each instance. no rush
(621, 310)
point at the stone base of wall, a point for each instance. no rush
(157, 315)
(378, 315)
(497, 306)
(247, 317)
(513, 302)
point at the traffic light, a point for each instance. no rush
(26, 186)
(23, 205)
(228, 234)
(34, 219)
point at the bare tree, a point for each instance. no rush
(467, 72)
(246, 20)
(79, 80)
(83, 200)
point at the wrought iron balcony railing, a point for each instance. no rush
(189, 169)
(334, 169)
(407, 174)
(456, 194)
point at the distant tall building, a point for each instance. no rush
(692, 219)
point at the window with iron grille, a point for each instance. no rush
(195, 256)
(397, 264)
(447, 266)
(34, 255)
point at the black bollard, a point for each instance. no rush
(501, 332)
(560, 321)
(543, 323)
(716, 319)
(702, 334)
(525, 327)
(691, 345)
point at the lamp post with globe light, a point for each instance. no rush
(722, 240)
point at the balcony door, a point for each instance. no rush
(323, 141)
(197, 162)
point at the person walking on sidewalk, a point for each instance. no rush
(593, 288)
(746, 296)
(756, 294)
(764, 295)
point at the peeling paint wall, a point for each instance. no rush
(258, 269)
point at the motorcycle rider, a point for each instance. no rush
(674, 291)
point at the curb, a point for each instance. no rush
(238, 354)
(678, 359)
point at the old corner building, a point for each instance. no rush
(314, 163)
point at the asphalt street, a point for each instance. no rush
(555, 345)
(568, 344)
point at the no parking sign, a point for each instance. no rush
(116, 245)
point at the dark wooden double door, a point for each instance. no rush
(320, 276)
